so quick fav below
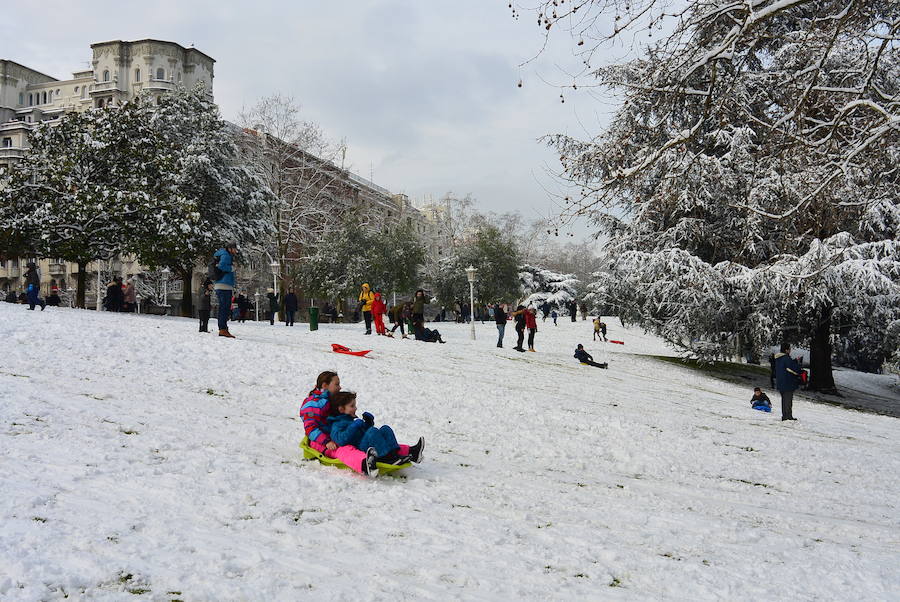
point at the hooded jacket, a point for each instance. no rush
(366, 297)
(347, 430)
(226, 282)
(787, 372)
(378, 306)
(314, 412)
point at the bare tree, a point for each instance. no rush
(303, 169)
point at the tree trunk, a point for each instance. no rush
(81, 286)
(187, 306)
(821, 377)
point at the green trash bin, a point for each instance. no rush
(313, 318)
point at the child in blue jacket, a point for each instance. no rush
(347, 429)
(760, 401)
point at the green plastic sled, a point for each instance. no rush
(312, 454)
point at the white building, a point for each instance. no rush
(119, 71)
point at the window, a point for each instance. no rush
(57, 93)
(76, 89)
(100, 103)
(179, 76)
(45, 98)
(30, 100)
(160, 73)
(7, 142)
(84, 91)
(106, 75)
(50, 96)
(137, 75)
(21, 98)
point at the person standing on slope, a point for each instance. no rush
(418, 306)
(272, 296)
(787, 379)
(378, 310)
(33, 287)
(531, 325)
(366, 298)
(290, 306)
(224, 285)
(500, 319)
(519, 317)
(205, 304)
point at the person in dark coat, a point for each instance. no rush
(760, 401)
(33, 287)
(787, 379)
(427, 334)
(573, 309)
(115, 297)
(11, 297)
(204, 304)
(586, 358)
(500, 320)
(272, 296)
(418, 306)
(519, 317)
(772, 369)
(53, 300)
(291, 303)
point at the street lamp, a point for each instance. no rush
(274, 266)
(470, 274)
(165, 274)
(256, 303)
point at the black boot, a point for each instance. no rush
(417, 451)
(369, 463)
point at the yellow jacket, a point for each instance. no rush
(367, 297)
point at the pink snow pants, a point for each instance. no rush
(350, 455)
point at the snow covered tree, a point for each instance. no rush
(751, 169)
(493, 253)
(86, 181)
(543, 286)
(300, 166)
(213, 197)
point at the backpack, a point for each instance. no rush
(213, 272)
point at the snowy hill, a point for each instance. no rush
(143, 460)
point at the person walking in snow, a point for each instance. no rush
(204, 303)
(573, 309)
(583, 309)
(33, 287)
(366, 298)
(291, 303)
(500, 320)
(545, 310)
(399, 314)
(531, 325)
(224, 285)
(272, 297)
(554, 315)
(586, 358)
(347, 429)
(787, 379)
(115, 297)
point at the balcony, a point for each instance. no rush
(9, 152)
(57, 269)
(9, 272)
(160, 84)
(103, 87)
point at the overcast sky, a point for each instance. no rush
(425, 92)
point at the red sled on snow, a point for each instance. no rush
(347, 351)
(617, 342)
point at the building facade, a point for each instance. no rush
(120, 71)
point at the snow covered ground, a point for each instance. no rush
(142, 460)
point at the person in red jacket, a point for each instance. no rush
(531, 325)
(378, 310)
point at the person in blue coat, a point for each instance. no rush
(347, 429)
(224, 285)
(760, 401)
(787, 379)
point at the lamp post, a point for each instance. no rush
(256, 303)
(99, 302)
(165, 274)
(470, 274)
